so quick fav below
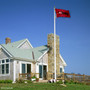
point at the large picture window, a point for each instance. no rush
(4, 66)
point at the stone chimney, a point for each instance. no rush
(50, 43)
(7, 40)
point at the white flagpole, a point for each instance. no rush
(55, 43)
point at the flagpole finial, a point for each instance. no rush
(54, 7)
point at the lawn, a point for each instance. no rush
(42, 86)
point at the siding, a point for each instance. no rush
(25, 46)
(3, 54)
(45, 59)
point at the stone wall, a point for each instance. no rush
(51, 54)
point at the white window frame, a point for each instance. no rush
(62, 68)
(24, 62)
(42, 65)
(5, 64)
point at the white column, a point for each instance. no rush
(42, 68)
(14, 71)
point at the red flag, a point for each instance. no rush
(62, 13)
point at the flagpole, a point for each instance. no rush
(54, 43)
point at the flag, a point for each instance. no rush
(62, 13)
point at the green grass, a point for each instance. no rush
(43, 86)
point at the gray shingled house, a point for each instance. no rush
(21, 57)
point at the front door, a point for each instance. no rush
(43, 73)
(28, 68)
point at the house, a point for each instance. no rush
(21, 57)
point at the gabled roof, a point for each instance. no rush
(24, 53)
(64, 63)
(13, 44)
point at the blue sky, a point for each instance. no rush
(34, 19)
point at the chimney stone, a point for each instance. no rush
(7, 40)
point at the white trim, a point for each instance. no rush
(24, 62)
(62, 68)
(6, 51)
(21, 44)
(42, 55)
(44, 64)
(20, 67)
(24, 42)
(5, 58)
(64, 63)
(0, 46)
(29, 43)
(22, 59)
(14, 70)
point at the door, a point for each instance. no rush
(28, 68)
(43, 73)
(29, 71)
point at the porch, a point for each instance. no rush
(60, 76)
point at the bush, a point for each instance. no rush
(19, 81)
(28, 81)
(69, 82)
(66, 82)
(59, 82)
(33, 77)
(72, 82)
(5, 81)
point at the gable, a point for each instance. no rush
(44, 59)
(62, 61)
(3, 54)
(25, 45)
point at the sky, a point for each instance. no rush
(34, 19)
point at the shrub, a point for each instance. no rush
(19, 81)
(59, 82)
(5, 81)
(72, 82)
(33, 77)
(66, 82)
(28, 81)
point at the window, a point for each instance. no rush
(7, 60)
(60, 70)
(40, 71)
(23, 68)
(3, 61)
(7, 68)
(4, 66)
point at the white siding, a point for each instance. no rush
(44, 59)
(25, 45)
(3, 54)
